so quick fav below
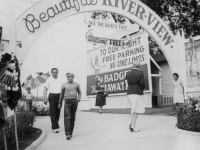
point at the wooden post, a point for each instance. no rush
(15, 124)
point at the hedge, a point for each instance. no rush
(188, 115)
(25, 120)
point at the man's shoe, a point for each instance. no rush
(68, 137)
(55, 131)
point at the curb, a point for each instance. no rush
(38, 141)
(192, 133)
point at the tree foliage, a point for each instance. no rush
(178, 14)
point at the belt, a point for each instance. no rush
(71, 99)
(54, 93)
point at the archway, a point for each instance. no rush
(41, 16)
(45, 13)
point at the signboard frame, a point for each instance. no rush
(192, 44)
(147, 61)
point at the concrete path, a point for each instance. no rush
(95, 131)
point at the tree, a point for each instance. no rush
(178, 14)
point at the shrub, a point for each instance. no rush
(25, 120)
(188, 115)
(40, 110)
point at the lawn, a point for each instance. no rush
(163, 111)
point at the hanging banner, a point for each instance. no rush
(192, 52)
(113, 26)
(96, 40)
(110, 64)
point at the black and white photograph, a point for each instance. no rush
(99, 74)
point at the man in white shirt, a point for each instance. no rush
(53, 86)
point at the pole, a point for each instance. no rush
(37, 95)
(4, 139)
(15, 110)
(15, 124)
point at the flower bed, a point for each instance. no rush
(41, 110)
(25, 120)
(188, 115)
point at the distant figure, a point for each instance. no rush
(28, 98)
(53, 85)
(100, 100)
(71, 93)
(178, 90)
(135, 84)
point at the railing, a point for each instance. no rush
(165, 100)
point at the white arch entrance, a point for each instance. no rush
(45, 13)
(37, 19)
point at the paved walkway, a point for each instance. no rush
(95, 131)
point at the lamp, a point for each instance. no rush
(19, 43)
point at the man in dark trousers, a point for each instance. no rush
(53, 86)
(71, 93)
(135, 85)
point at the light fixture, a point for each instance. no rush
(19, 43)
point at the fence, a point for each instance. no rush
(165, 100)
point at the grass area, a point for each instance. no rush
(29, 138)
(163, 111)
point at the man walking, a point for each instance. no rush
(53, 85)
(71, 92)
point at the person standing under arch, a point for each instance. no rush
(135, 84)
(53, 86)
(178, 90)
(100, 100)
(28, 97)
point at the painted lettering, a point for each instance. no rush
(168, 37)
(140, 12)
(42, 17)
(116, 3)
(149, 19)
(161, 30)
(51, 13)
(105, 2)
(131, 6)
(124, 5)
(31, 23)
(156, 25)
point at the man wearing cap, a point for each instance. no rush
(53, 86)
(135, 84)
(71, 93)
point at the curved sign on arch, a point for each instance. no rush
(45, 13)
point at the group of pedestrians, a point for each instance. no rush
(135, 86)
(70, 92)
